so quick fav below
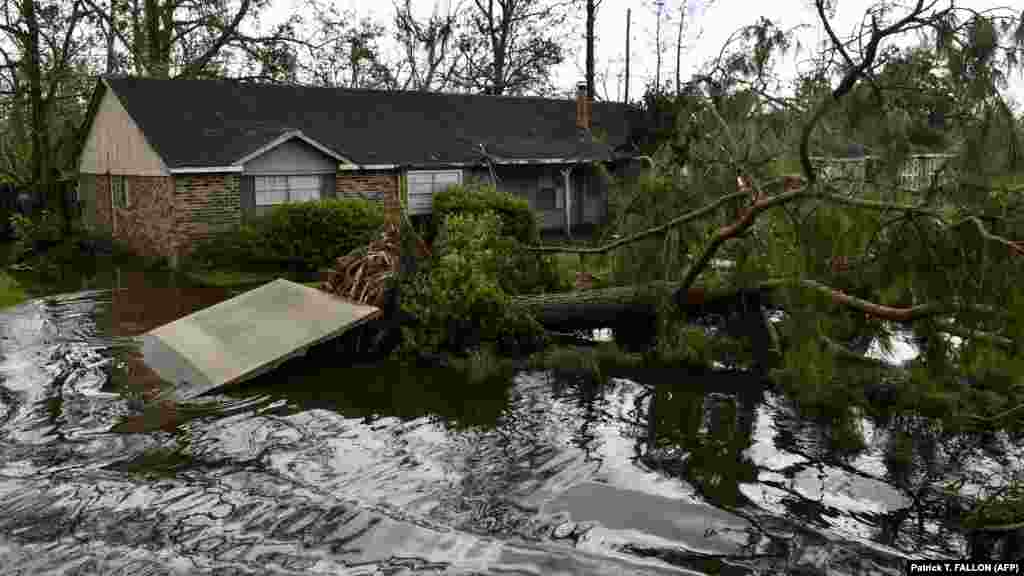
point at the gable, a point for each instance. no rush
(291, 157)
(115, 143)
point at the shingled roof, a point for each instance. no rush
(210, 123)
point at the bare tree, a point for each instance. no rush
(679, 44)
(592, 6)
(658, 7)
(510, 46)
(179, 38)
(429, 60)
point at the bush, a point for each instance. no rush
(11, 292)
(518, 271)
(459, 301)
(517, 219)
(31, 234)
(310, 235)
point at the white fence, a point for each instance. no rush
(916, 173)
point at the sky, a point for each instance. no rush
(706, 29)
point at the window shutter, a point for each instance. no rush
(245, 190)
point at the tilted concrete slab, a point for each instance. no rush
(247, 335)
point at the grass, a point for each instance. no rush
(222, 278)
(1008, 180)
(483, 365)
(596, 362)
(11, 292)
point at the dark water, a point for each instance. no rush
(323, 469)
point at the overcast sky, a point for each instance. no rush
(707, 29)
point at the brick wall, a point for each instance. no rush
(168, 214)
(204, 205)
(147, 226)
(102, 202)
(377, 185)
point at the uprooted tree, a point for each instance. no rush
(853, 256)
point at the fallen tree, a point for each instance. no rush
(838, 253)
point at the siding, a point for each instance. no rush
(589, 195)
(291, 157)
(116, 145)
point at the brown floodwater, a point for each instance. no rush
(322, 467)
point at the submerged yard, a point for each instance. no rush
(323, 467)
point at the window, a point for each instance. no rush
(422, 185)
(271, 190)
(120, 192)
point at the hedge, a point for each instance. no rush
(307, 235)
(517, 219)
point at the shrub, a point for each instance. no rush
(242, 245)
(319, 232)
(459, 301)
(30, 234)
(309, 235)
(11, 292)
(518, 271)
(517, 219)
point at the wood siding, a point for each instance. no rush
(115, 144)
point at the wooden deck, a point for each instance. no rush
(247, 335)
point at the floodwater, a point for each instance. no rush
(322, 468)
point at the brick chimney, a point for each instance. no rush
(582, 107)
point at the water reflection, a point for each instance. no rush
(323, 467)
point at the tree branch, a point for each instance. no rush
(677, 221)
(226, 34)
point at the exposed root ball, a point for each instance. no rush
(363, 274)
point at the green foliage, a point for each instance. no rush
(482, 366)
(11, 292)
(459, 300)
(517, 220)
(596, 363)
(309, 235)
(30, 234)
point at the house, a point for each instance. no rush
(916, 172)
(165, 163)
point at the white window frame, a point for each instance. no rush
(288, 187)
(435, 187)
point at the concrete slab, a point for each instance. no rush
(247, 335)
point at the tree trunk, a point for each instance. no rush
(679, 46)
(109, 33)
(629, 18)
(657, 53)
(605, 306)
(591, 14)
(41, 169)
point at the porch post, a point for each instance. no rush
(566, 173)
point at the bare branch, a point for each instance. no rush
(677, 221)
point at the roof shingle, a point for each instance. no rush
(207, 123)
